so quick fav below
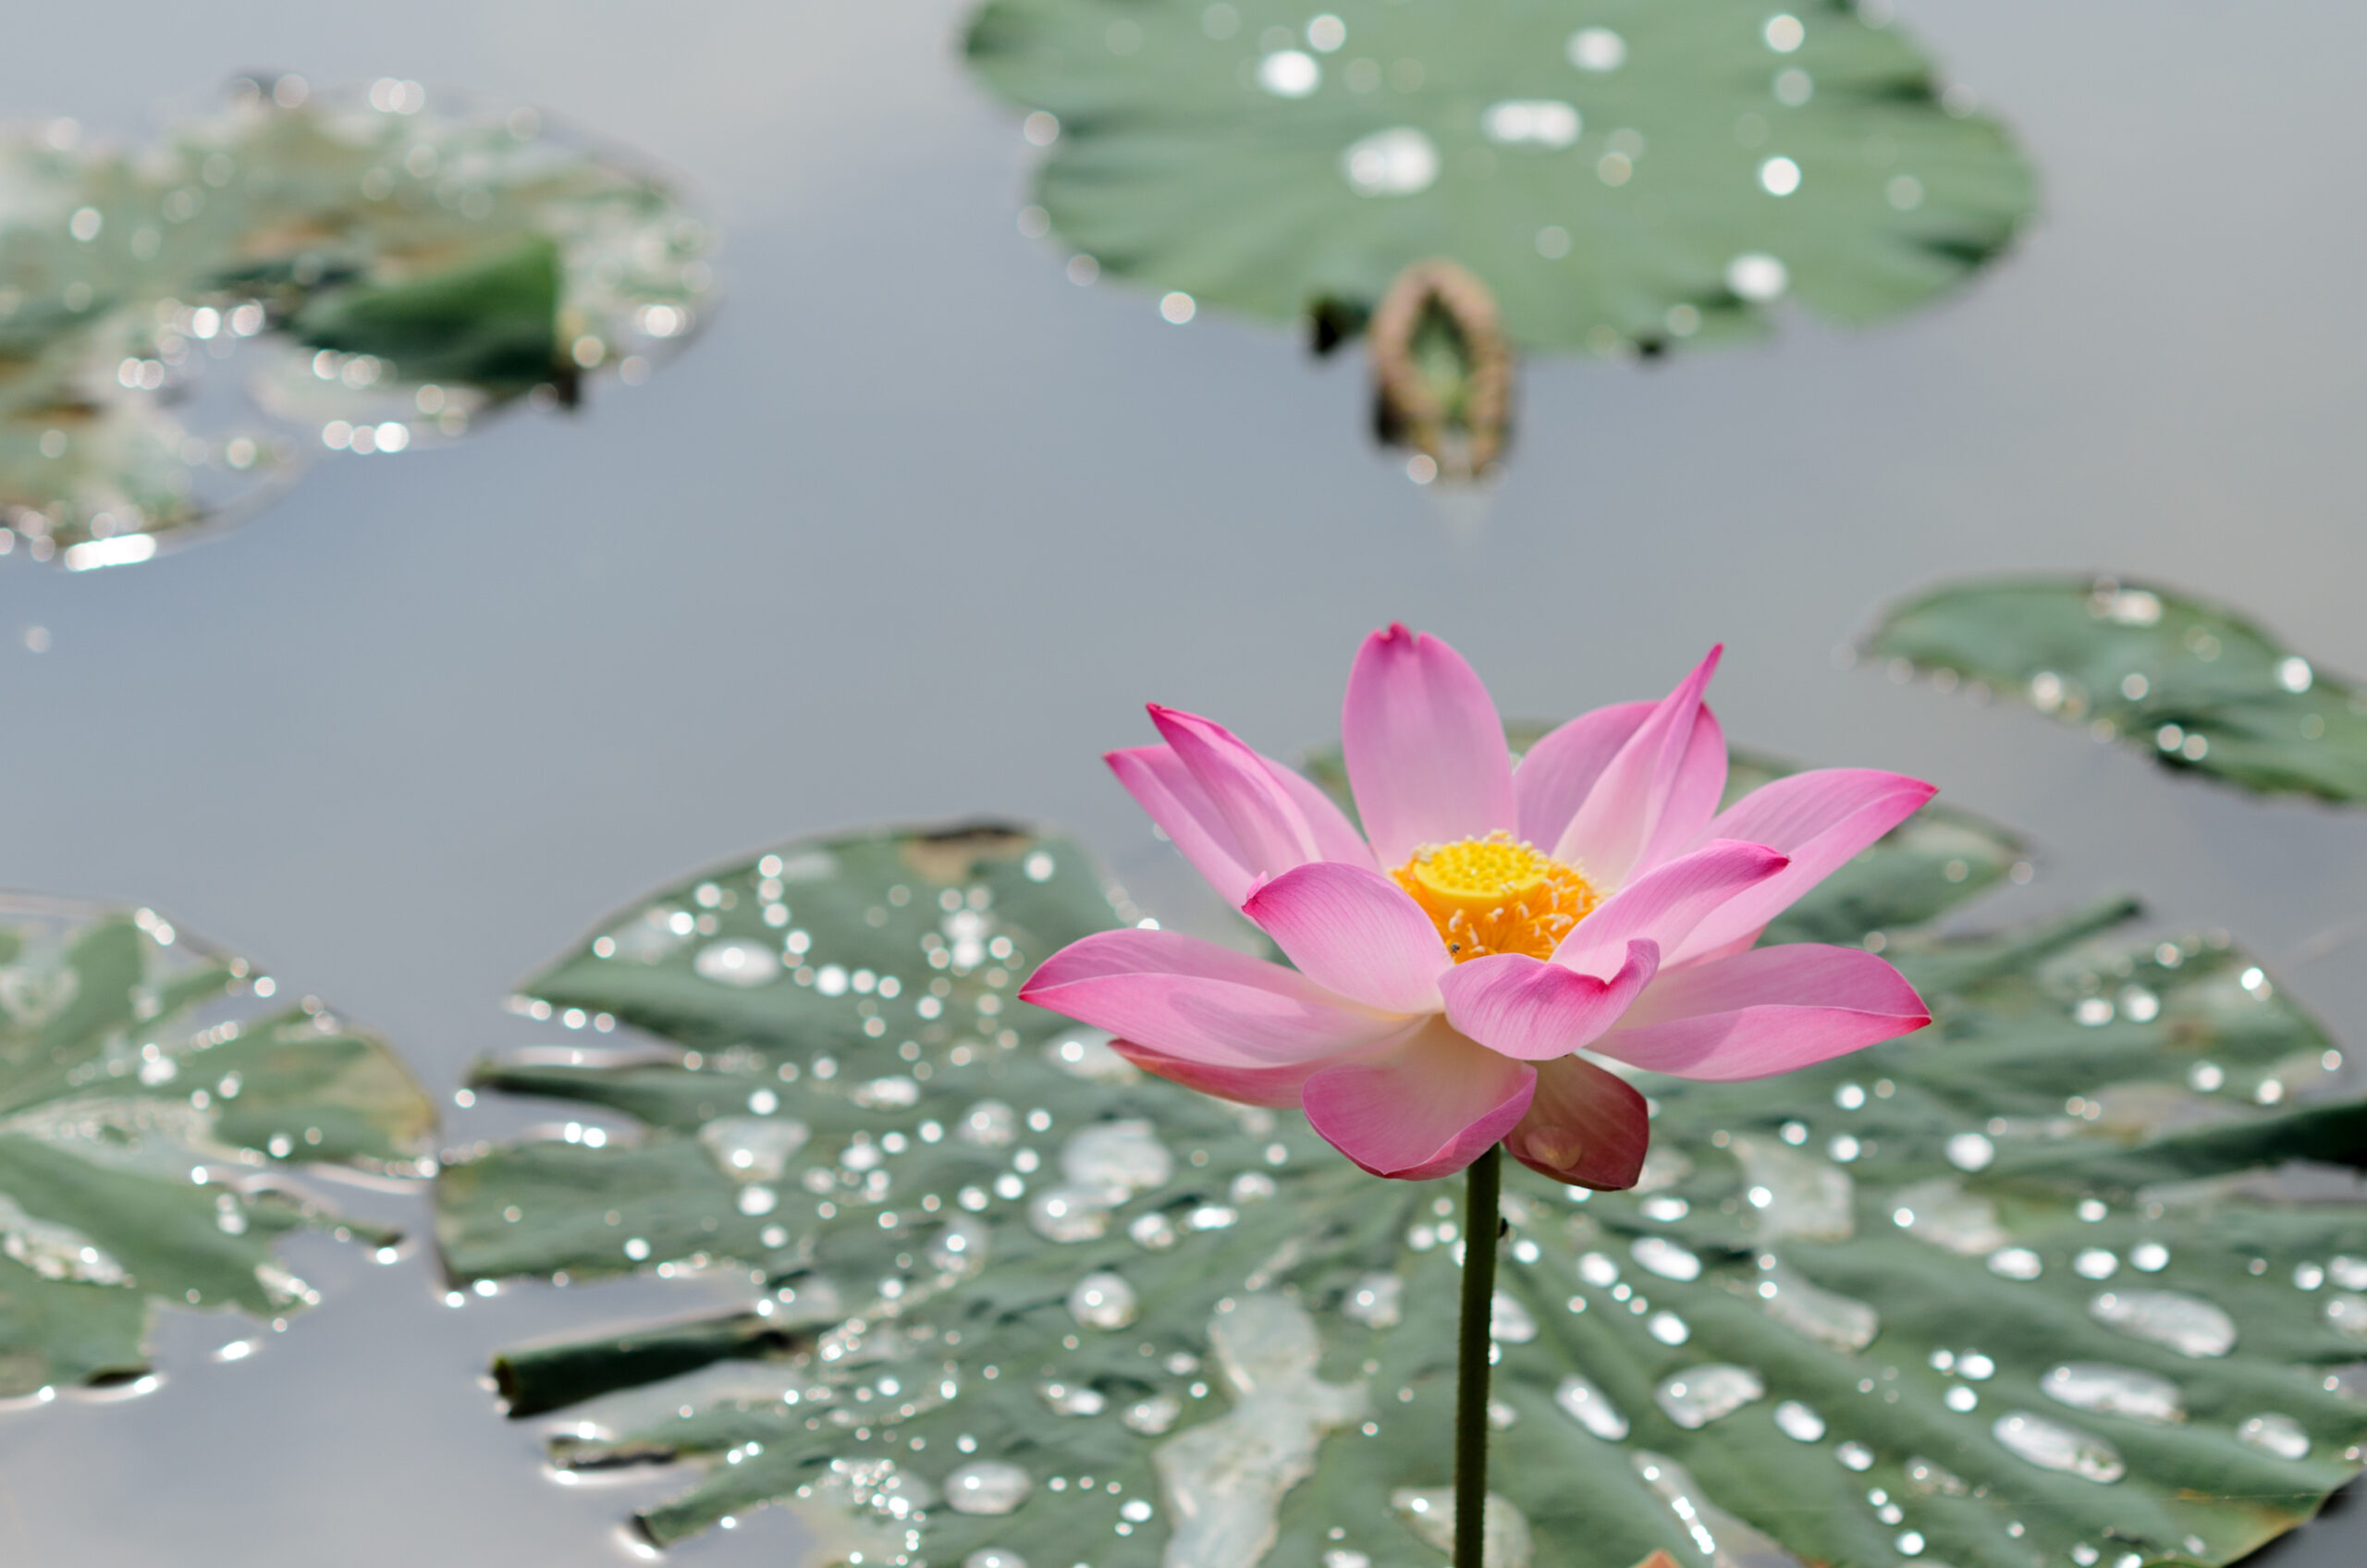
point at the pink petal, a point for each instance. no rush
(1355, 931)
(1821, 820)
(1767, 1010)
(1165, 789)
(1234, 814)
(1656, 795)
(1276, 1086)
(1425, 750)
(1555, 774)
(1585, 1126)
(1666, 904)
(1427, 1107)
(1526, 1008)
(1184, 998)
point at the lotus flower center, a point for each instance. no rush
(1496, 895)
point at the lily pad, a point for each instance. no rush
(2036, 1281)
(182, 324)
(2195, 685)
(1620, 174)
(153, 1106)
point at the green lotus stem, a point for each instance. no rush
(1480, 1224)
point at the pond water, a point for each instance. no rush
(919, 523)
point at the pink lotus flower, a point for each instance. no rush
(1492, 922)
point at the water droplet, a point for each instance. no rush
(2016, 1263)
(1971, 1151)
(2095, 1263)
(1598, 1270)
(1067, 1214)
(1400, 161)
(1072, 1399)
(1374, 1301)
(2346, 1313)
(1758, 277)
(1154, 1231)
(752, 1149)
(1154, 1415)
(2186, 1324)
(1855, 1456)
(2113, 1391)
(986, 1487)
(1597, 49)
(2279, 1435)
(1510, 1322)
(993, 1557)
(1507, 1541)
(1666, 1258)
(1943, 1213)
(1699, 1395)
(1541, 122)
(2051, 1445)
(1591, 1408)
(2150, 1256)
(1669, 1329)
(1224, 1479)
(1798, 1422)
(1120, 1159)
(1778, 177)
(2350, 1273)
(990, 1125)
(1831, 1320)
(737, 964)
(1807, 1197)
(1103, 1301)
(960, 1247)
(1289, 73)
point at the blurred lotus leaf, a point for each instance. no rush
(1621, 176)
(2036, 1282)
(2193, 684)
(370, 275)
(151, 1110)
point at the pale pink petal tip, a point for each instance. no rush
(1424, 747)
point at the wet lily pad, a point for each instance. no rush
(1619, 175)
(182, 326)
(2038, 1282)
(155, 1108)
(2193, 685)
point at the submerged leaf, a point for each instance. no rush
(150, 1103)
(2027, 1284)
(2193, 685)
(380, 275)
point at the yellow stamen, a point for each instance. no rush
(1496, 895)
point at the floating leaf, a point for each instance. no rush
(150, 1108)
(376, 276)
(2192, 683)
(2027, 1284)
(1618, 175)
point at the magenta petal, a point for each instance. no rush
(1821, 820)
(1425, 750)
(1527, 1008)
(1767, 1010)
(1427, 1107)
(1555, 774)
(1644, 802)
(1355, 932)
(1275, 1086)
(1586, 1127)
(1184, 998)
(1666, 904)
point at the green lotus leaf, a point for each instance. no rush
(2038, 1280)
(1618, 173)
(2193, 685)
(152, 1108)
(373, 275)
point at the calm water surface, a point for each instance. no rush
(916, 527)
